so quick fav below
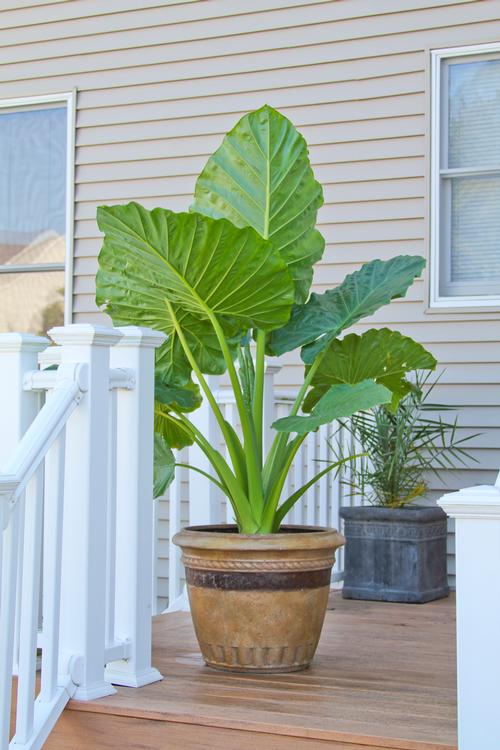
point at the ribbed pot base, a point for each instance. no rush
(258, 659)
(258, 602)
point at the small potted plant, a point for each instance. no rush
(396, 548)
(228, 283)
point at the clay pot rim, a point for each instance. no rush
(219, 536)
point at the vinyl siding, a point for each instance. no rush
(160, 82)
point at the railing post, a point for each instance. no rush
(204, 496)
(269, 402)
(134, 507)
(476, 511)
(84, 525)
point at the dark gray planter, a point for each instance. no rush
(395, 555)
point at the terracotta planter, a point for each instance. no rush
(258, 602)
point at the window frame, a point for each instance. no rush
(439, 136)
(68, 98)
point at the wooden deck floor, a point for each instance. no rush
(383, 677)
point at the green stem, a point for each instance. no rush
(258, 393)
(281, 438)
(256, 496)
(234, 491)
(204, 474)
(305, 385)
(203, 383)
(268, 520)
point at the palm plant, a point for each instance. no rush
(400, 448)
(228, 283)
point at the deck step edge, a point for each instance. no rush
(330, 736)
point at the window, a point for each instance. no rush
(36, 197)
(465, 184)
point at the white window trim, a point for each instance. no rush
(435, 299)
(69, 99)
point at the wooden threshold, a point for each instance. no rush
(383, 678)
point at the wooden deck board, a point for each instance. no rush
(383, 677)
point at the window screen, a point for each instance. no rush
(33, 152)
(469, 238)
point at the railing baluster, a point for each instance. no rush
(30, 594)
(323, 482)
(297, 512)
(7, 618)
(311, 492)
(232, 416)
(174, 525)
(111, 523)
(335, 502)
(52, 546)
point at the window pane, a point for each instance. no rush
(31, 302)
(32, 186)
(474, 265)
(474, 114)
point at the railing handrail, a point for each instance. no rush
(74, 522)
(43, 431)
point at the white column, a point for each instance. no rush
(134, 507)
(476, 511)
(268, 412)
(204, 495)
(84, 525)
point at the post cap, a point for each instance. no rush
(482, 501)
(85, 334)
(22, 342)
(138, 336)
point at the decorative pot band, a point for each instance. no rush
(255, 565)
(396, 531)
(258, 580)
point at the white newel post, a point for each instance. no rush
(269, 400)
(204, 496)
(134, 507)
(83, 584)
(476, 511)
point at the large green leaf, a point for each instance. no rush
(172, 430)
(324, 316)
(338, 402)
(261, 177)
(382, 355)
(180, 398)
(164, 466)
(162, 269)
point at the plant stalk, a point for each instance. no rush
(258, 394)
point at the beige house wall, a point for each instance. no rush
(159, 83)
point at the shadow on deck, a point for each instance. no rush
(383, 677)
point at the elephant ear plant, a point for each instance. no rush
(228, 282)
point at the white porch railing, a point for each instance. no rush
(68, 515)
(193, 499)
(476, 511)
